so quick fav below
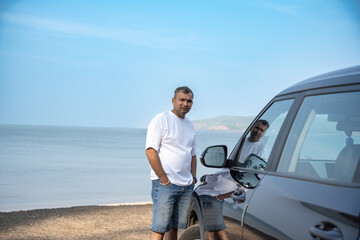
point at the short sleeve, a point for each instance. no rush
(194, 145)
(194, 149)
(154, 134)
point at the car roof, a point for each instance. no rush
(342, 77)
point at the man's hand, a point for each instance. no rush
(165, 181)
(155, 164)
(203, 180)
(223, 196)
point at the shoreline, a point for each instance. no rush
(125, 204)
(107, 221)
(80, 205)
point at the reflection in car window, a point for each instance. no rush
(262, 146)
(324, 141)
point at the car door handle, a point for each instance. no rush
(239, 196)
(326, 231)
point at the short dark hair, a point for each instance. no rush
(183, 89)
(263, 122)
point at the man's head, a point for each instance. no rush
(182, 101)
(258, 130)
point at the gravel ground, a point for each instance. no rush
(78, 223)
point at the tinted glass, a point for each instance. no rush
(324, 141)
(275, 116)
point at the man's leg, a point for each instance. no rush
(210, 235)
(222, 235)
(156, 236)
(217, 235)
(172, 234)
(163, 204)
(181, 210)
(214, 224)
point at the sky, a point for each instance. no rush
(117, 63)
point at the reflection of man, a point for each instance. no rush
(212, 192)
(216, 187)
(252, 143)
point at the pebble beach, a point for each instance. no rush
(123, 221)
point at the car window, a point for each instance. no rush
(324, 141)
(262, 146)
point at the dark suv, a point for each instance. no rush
(308, 185)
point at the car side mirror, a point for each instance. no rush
(249, 179)
(246, 179)
(214, 156)
(254, 162)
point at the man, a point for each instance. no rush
(252, 144)
(216, 187)
(171, 151)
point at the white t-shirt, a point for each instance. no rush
(218, 183)
(252, 147)
(174, 140)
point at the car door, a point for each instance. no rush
(313, 191)
(275, 114)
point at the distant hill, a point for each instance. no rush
(224, 123)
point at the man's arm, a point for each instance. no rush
(155, 164)
(223, 196)
(193, 166)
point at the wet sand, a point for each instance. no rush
(78, 223)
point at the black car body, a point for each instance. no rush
(310, 187)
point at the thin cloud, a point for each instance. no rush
(291, 10)
(137, 37)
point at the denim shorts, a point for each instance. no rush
(170, 206)
(213, 218)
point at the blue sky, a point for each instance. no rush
(117, 63)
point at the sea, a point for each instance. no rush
(56, 166)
